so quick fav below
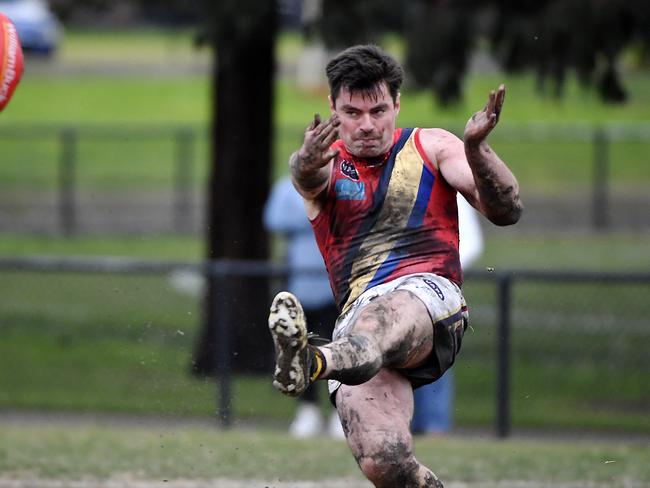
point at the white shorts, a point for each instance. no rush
(449, 318)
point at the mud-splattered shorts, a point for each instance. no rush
(449, 317)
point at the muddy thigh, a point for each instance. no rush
(401, 325)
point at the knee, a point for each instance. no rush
(357, 359)
(391, 466)
(379, 473)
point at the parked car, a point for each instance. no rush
(38, 28)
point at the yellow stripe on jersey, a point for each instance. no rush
(392, 220)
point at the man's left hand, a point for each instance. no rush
(481, 123)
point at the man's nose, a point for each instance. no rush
(365, 124)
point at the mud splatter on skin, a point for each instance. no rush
(412, 343)
(355, 360)
(358, 356)
(388, 461)
(351, 422)
(393, 465)
(400, 354)
(430, 480)
(501, 201)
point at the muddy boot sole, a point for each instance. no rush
(289, 332)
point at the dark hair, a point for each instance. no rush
(362, 68)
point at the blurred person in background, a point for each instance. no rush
(382, 203)
(284, 213)
(433, 408)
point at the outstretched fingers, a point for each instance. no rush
(500, 98)
(482, 122)
(495, 104)
(316, 150)
(329, 133)
(315, 123)
(489, 108)
(328, 136)
(501, 93)
(330, 154)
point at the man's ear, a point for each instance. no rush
(332, 106)
(397, 103)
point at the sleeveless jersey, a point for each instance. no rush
(380, 222)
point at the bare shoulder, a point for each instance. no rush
(437, 134)
(440, 144)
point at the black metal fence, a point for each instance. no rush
(152, 172)
(106, 179)
(546, 349)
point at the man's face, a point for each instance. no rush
(367, 121)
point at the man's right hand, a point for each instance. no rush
(319, 136)
(315, 154)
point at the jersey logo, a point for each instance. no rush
(349, 170)
(349, 190)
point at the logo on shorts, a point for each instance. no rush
(349, 170)
(432, 284)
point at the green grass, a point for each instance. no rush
(139, 45)
(178, 248)
(549, 251)
(168, 453)
(141, 99)
(95, 100)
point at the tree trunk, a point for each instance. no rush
(241, 135)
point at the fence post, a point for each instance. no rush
(67, 169)
(504, 291)
(183, 180)
(600, 204)
(219, 278)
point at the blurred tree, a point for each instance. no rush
(555, 36)
(118, 13)
(170, 12)
(438, 40)
(242, 35)
(345, 23)
(550, 37)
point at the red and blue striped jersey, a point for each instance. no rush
(379, 222)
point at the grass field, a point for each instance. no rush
(100, 453)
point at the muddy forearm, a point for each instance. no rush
(308, 179)
(497, 186)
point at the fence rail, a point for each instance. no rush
(184, 138)
(221, 271)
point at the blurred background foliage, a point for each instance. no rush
(552, 38)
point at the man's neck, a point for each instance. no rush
(374, 161)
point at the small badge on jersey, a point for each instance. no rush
(348, 169)
(349, 190)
